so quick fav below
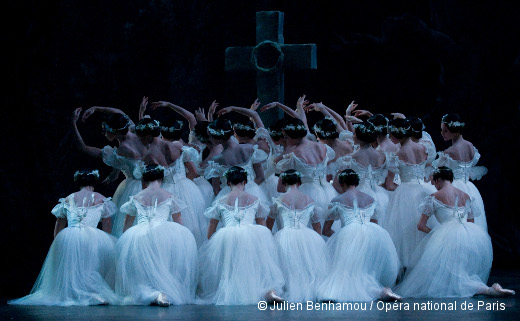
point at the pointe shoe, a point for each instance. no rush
(389, 295)
(162, 300)
(500, 291)
(272, 297)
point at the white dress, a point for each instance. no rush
(462, 173)
(453, 260)
(401, 218)
(79, 268)
(370, 179)
(364, 259)
(128, 187)
(303, 253)
(205, 187)
(240, 261)
(176, 182)
(215, 169)
(156, 256)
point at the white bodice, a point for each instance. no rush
(294, 218)
(124, 164)
(427, 142)
(407, 172)
(156, 212)
(274, 151)
(369, 176)
(462, 170)
(310, 172)
(177, 171)
(445, 213)
(78, 216)
(236, 215)
(215, 169)
(349, 215)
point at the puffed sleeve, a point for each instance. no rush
(177, 205)
(427, 142)
(129, 208)
(262, 133)
(110, 157)
(375, 215)
(286, 163)
(262, 210)
(442, 160)
(347, 135)
(333, 212)
(471, 208)
(330, 153)
(109, 208)
(59, 210)
(426, 206)
(477, 172)
(214, 211)
(273, 212)
(392, 162)
(340, 164)
(213, 169)
(258, 155)
(190, 154)
(317, 213)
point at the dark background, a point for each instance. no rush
(421, 58)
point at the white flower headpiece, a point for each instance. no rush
(153, 125)
(171, 129)
(362, 128)
(294, 127)
(109, 129)
(401, 130)
(241, 126)
(453, 124)
(347, 174)
(94, 172)
(284, 174)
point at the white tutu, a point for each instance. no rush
(240, 261)
(470, 189)
(156, 256)
(206, 189)
(364, 259)
(79, 268)
(453, 260)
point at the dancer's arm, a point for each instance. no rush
(191, 172)
(142, 107)
(106, 225)
(177, 218)
(317, 227)
(253, 115)
(212, 228)
(260, 221)
(211, 110)
(327, 228)
(422, 224)
(92, 151)
(114, 174)
(129, 221)
(61, 223)
(259, 173)
(269, 223)
(215, 183)
(192, 121)
(106, 110)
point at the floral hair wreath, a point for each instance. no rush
(401, 130)
(111, 130)
(323, 133)
(363, 128)
(77, 174)
(275, 132)
(234, 169)
(174, 128)
(348, 174)
(285, 174)
(241, 126)
(438, 170)
(292, 127)
(153, 125)
(453, 124)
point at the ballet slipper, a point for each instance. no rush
(162, 300)
(497, 290)
(272, 297)
(389, 295)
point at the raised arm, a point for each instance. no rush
(337, 117)
(192, 121)
(211, 110)
(142, 107)
(320, 107)
(244, 111)
(92, 151)
(106, 110)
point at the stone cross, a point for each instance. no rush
(270, 58)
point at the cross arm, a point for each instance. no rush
(299, 57)
(239, 59)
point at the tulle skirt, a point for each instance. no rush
(453, 260)
(193, 216)
(382, 197)
(270, 186)
(78, 270)
(322, 192)
(402, 218)
(128, 187)
(304, 262)
(206, 189)
(156, 257)
(251, 188)
(470, 189)
(364, 261)
(239, 266)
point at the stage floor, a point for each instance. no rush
(483, 308)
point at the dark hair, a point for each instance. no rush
(399, 128)
(86, 177)
(453, 122)
(220, 129)
(365, 132)
(116, 124)
(236, 175)
(444, 173)
(291, 177)
(416, 127)
(326, 129)
(294, 128)
(172, 129)
(348, 177)
(148, 127)
(152, 173)
(275, 130)
(201, 131)
(244, 128)
(380, 123)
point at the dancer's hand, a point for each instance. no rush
(158, 104)
(75, 114)
(224, 111)
(362, 112)
(211, 109)
(200, 115)
(268, 106)
(315, 106)
(398, 115)
(351, 108)
(302, 103)
(353, 119)
(143, 105)
(254, 105)
(88, 113)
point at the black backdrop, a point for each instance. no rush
(421, 58)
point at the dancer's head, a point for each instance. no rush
(294, 129)
(171, 130)
(441, 175)
(86, 177)
(364, 133)
(275, 131)
(152, 173)
(451, 126)
(291, 177)
(244, 130)
(416, 127)
(201, 131)
(115, 125)
(236, 176)
(399, 129)
(348, 178)
(147, 129)
(220, 130)
(380, 123)
(325, 129)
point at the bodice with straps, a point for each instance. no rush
(462, 170)
(311, 173)
(236, 215)
(125, 164)
(86, 214)
(446, 213)
(408, 172)
(368, 175)
(294, 218)
(155, 212)
(349, 215)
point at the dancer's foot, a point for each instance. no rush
(497, 290)
(272, 297)
(97, 300)
(389, 295)
(162, 300)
